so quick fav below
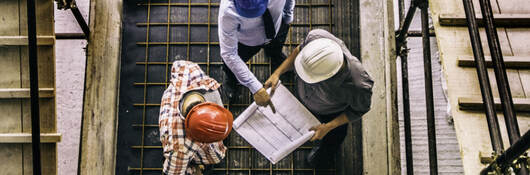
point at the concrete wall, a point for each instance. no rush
(70, 64)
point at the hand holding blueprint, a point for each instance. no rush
(276, 135)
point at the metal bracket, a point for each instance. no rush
(65, 4)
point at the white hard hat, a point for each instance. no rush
(319, 60)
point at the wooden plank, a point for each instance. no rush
(380, 124)
(470, 126)
(501, 20)
(10, 154)
(521, 62)
(514, 6)
(46, 67)
(525, 80)
(519, 38)
(12, 93)
(11, 157)
(475, 103)
(47, 116)
(49, 158)
(98, 143)
(45, 17)
(26, 138)
(519, 42)
(23, 40)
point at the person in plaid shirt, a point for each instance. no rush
(189, 139)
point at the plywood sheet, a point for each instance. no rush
(453, 42)
(49, 159)
(11, 157)
(525, 80)
(10, 154)
(514, 6)
(13, 68)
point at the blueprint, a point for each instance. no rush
(276, 135)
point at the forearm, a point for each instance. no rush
(340, 120)
(243, 73)
(288, 64)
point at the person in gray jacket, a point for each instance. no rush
(332, 84)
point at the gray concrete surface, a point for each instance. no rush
(70, 66)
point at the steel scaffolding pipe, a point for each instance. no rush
(485, 89)
(511, 154)
(80, 20)
(34, 86)
(429, 99)
(503, 86)
(403, 53)
(404, 25)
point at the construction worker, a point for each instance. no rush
(332, 84)
(246, 26)
(192, 121)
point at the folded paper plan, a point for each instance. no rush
(276, 135)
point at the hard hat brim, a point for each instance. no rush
(307, 75)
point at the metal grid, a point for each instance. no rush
(174, 30)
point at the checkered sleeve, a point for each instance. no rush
(172, 136)
(211, 153)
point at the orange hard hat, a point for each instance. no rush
(208, 122)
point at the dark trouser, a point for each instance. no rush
(323, 153)
(273, 50)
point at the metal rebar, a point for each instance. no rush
(513, 152)
(403, 53)
(404, 25)
(34, 86)
(80, 20)
(414, 33)
(429, 99)
(485, 89)
(503, 85)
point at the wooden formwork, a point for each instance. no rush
(15, 125)
(461, 75)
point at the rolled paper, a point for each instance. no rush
(244, 116)
(280, 154)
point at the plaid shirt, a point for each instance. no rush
(179, 150)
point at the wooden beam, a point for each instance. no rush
(14, 93)
(475, 103)
(501, 20)
(485, 158)
(23, 40)
(516, 62)
(26, 137)
(380, 127)
(100, 105)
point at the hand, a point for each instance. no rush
(320, 131)
(262, 98)
(272, 83)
